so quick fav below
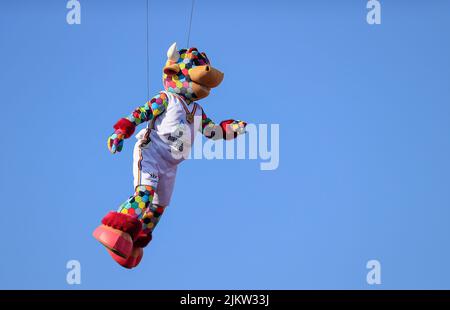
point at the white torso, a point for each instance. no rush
(171, 134)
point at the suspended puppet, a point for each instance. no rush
(173, 118)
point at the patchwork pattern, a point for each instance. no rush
(136, 205)
(238, 127)
(140, 206)
(181, 83)
(151, 218)
(149, 110)
(115, 141)
(209, 128)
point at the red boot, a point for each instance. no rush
(137, 252)
(132, 261)
(117, 233)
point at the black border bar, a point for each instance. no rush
(275, 297)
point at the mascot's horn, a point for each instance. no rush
(172, 52)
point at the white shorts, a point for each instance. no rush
(151, 170)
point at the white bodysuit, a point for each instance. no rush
(161, 146)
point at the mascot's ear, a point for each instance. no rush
(171, 69)
(206, 57)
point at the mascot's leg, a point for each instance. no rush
(126, 232)
(149, 221)
(120, 230)
(148, 217)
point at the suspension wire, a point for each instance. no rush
(147, 39)
(190, 24)
(148, 61)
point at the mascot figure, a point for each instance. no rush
(173, 117)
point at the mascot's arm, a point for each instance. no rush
(227, 130)
(125, 127)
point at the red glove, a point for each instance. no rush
(123, 129)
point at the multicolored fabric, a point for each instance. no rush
(115, 141)
(181, 83)
(151, 218)
(209, 128)
(238, 127)
(149, 110)
(213, 131)
(137, 204)
(145, 113)
(140, 206)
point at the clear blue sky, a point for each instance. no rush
(364, 114)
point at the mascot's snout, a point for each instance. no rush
(204, 78)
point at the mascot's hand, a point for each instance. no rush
(123, 129)
(238, 127)
(232, 128)
(115, 141)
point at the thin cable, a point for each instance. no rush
(148, 62)
(190, 24)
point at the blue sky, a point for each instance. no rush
(364, 115)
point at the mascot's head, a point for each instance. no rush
(189, 74)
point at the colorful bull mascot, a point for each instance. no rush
(173, 117)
